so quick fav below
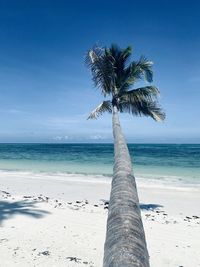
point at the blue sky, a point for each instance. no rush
(46, 91)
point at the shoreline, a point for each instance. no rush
(161, 183)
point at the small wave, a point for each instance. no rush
(61, 176)
(143, 180)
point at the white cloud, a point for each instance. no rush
(96, 137)
(58, 138)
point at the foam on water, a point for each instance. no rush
(142, 181)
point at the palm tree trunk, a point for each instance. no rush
(125, 244)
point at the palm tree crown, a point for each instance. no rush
(115, 75)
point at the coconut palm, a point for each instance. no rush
(115, 75)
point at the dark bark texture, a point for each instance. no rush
(125, 244)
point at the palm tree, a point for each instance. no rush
(115, 75)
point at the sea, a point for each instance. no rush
(164, 164)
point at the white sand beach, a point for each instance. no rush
(55, 220)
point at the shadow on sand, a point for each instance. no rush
(142, 205)
(10, 209)
(150, 206)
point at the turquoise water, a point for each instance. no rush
(169, 162)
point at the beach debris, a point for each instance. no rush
(45, 253)
(78, 260)
(43, 198)
(106, 204)
(4, 192)
(91, 263)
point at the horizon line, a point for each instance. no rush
(95, 143)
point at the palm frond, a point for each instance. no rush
(137, 70)
(146, 68)
(139, 94)
(142, 101)
(105, 106)
(143, 108)
(155, 111)
(101, 66)
(120, 55)
(126, 53)
(120, 61)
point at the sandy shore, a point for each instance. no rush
(61, 221)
